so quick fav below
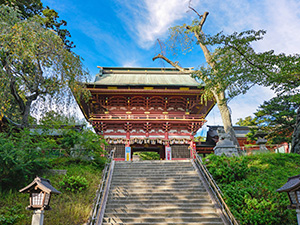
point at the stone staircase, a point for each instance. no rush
(158, 192)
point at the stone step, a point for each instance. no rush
(152, 176)
(154, 162)
(161, 190)
(154, 179)
(156, 185)
(162, 197)
(149, 190)
(182, 193)
(158, 192)
(157, 205)
(162, 219)
(154, 167)
(160, 214)
(173, 210)
(191, 175)
(165, 223)
(159, 201)
(151, 173)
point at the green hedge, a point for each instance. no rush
(249, 184)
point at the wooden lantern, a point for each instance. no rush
(40, 190)
(292, 188)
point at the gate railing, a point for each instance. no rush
(97, 213)
(215, 190)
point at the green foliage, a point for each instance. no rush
(275, 117)
(248, 121)
(11, 215)
(252, 197)
(226, 170)
(84, 143)
(74, 183)
(31, 8)
(53, 119)
(35, 64)
(232, 66)
(19, 159)
(148, 155)
(73, 207)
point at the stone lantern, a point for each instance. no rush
(40, 191)
(261, 141)
(292, 188)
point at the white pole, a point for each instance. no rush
(38, 217)
(298, 215)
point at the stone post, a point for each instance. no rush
(298, 215)
(38, 217)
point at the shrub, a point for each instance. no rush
(10, 215)
(249, 185)
(225, 169)
(19, 160)
(148, 155)
(74, 183)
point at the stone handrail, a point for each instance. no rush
(102, 193)
(215, 190)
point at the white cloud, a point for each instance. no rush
(150, 19)
(130, 63)
(282, 25)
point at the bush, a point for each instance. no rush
(225, 169)
(19, 160)
(74, 183)
(148, 155)
(10, 215)
(249, 185)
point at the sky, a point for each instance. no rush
(124, 33)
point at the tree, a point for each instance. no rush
(248, 121)
(275, 117)
(50, 18)
(231, 68)
(35, 62)
(287, 82)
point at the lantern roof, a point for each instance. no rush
(292, 184)
(42, 184)
(129, 76)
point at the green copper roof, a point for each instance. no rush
(123, 76)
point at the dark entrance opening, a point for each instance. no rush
(143, 148)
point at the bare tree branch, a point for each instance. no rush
(174, 64)
(190, 7)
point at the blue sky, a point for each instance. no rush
(124, 33)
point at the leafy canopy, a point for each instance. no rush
(276, 117)
(35, 63)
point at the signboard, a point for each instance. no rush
(127, 153)
(192, 148)
(168, 153)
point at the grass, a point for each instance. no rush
(67, 208)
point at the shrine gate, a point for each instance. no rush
(146, 109)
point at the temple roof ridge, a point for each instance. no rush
(144, 76)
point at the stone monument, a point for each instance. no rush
(225, 144)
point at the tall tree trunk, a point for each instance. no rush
(26, 113)
(225, 115)
(296, 135)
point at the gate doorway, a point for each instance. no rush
(149, 148)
